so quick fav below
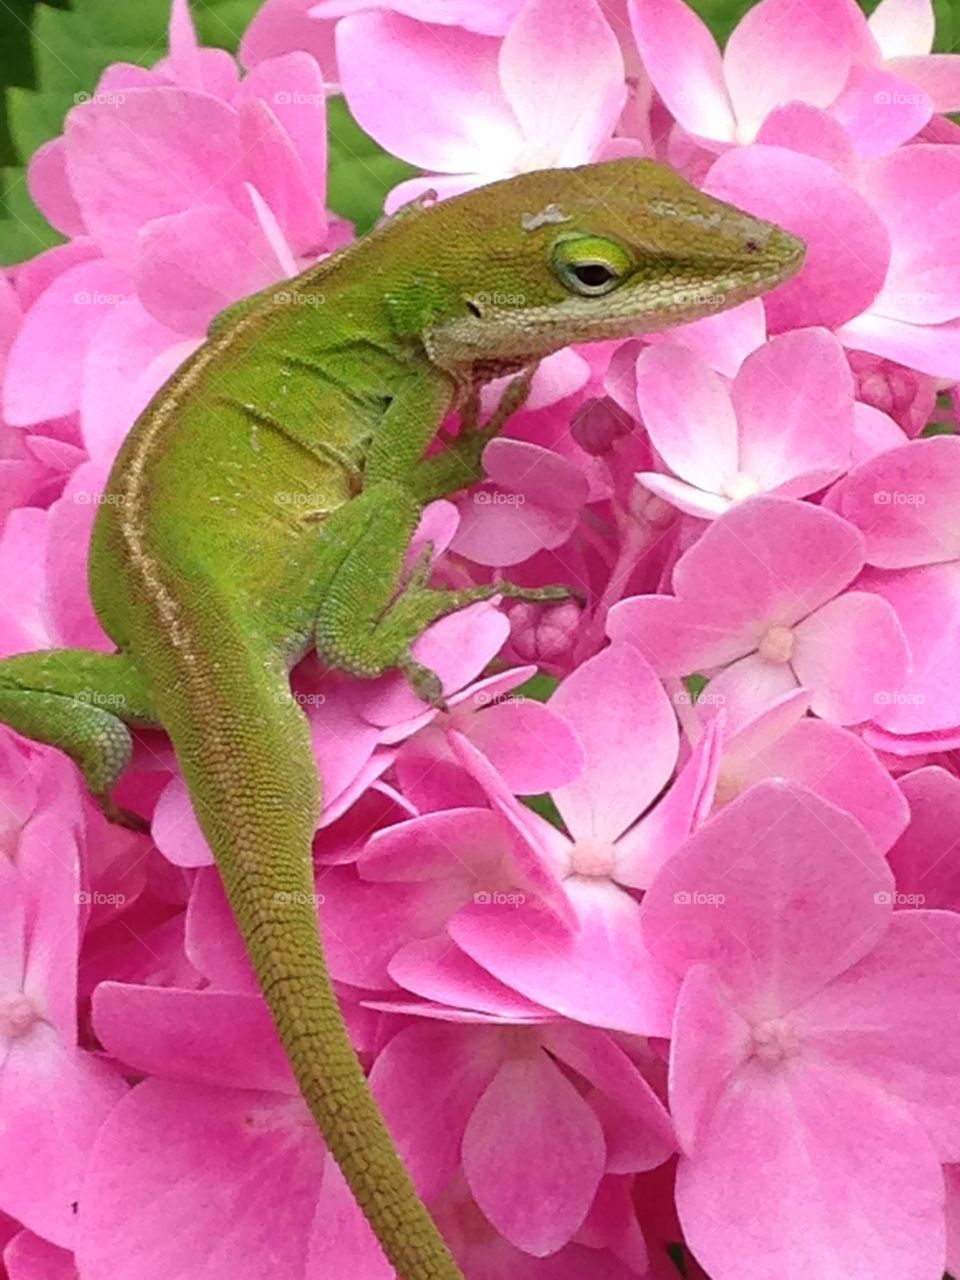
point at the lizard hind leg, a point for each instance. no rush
(82, 703)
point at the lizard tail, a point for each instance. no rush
(248, 764)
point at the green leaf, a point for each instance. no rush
(71, 49)
(360, 171)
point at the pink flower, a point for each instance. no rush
(784, 425)
(494, 108)
(53, 1095)
(808, 1051)
(905, 503)
(185, 190)
(761, 598)
(533, 1141)
(563, 910)
(781, 51)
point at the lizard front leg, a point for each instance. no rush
(369, 618)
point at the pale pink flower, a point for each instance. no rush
(810, 1050)
(905, 503)
(495, 107)
(762, 605)
(784, 425)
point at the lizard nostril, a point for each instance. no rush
(751, 246)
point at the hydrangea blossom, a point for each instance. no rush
(649, 938)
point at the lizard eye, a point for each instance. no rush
(590, 265)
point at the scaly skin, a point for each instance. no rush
(263, 504)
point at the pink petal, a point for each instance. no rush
(207, 1037)
(641, 851)
(624, 719)
(463, 124)
(292, 86)
(924, 858)
(682, 59)
(761, 1197)
(722, 340)
(903, 27)
(273, 165)
(830, 761)
(691, 501)
(782, 51)
(531, 746)
(176, 830)
(848, 246)
(341, 1240)
(928, 348)
(711, 1041)
(880, 111)
(53, 1100)
(778, 893)
(178, 1153)
(905, 503)
(583, 50)
(935, 74)
(428, 1081)
(687, 411)
(436, 970)
(528, 949)
(597, 1057)
(927, 603)
(50, 188)
(801, 127)
(129, 358)
(851, 652)
(794, 402)
(56, 333)
(892, 1019)
(28, 1257)
(194, 264)
(540, 1196)
(542, 496)
(160, 151)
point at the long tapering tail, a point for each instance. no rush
(244, 747)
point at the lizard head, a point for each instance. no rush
(578, 255)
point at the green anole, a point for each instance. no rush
(263, 504)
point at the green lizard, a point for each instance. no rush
(263, 504)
